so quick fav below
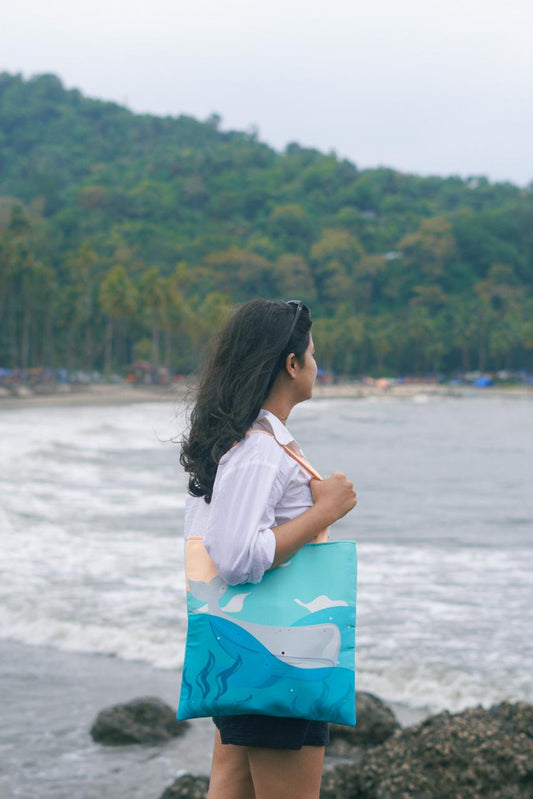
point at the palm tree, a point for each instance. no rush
(153, 300)
(118, 300)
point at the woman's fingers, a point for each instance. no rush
(336, 494)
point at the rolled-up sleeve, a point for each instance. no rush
(239, 537)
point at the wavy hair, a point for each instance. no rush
(248, 354)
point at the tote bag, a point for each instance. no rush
(281, 647)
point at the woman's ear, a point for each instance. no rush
(290, 365)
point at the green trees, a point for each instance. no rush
(26, 295)
(78, 307)
(128, 236)
(291, 226)
(241, 273)
(335, 258)
(294, 278)
(153, 301)
(118, 299)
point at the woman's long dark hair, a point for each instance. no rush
(248, 354)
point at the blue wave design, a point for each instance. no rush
(246, 687)
(223, 676)
(185, 682)
(340, 706)
(201, 680)
(321, 701)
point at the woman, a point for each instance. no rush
(255, 506)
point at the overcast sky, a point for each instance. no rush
(424, 86)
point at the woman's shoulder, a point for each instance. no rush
(256, 446)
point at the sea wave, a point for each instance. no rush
(144, 643)
(93, 561)
(427, 687)
(432, 688)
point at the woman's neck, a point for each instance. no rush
(281, 399)
(278, 409)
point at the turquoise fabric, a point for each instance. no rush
(283, 647)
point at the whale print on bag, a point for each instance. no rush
(311, 647)
(284, 646)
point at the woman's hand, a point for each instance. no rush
(335, 496)
(332, 498)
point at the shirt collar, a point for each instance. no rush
(267, 420)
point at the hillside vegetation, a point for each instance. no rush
(127, 236)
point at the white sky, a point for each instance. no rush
(425, 86)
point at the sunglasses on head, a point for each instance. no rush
(299, 306)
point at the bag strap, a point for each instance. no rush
(323, 535)
(302, 461)
(298, 458)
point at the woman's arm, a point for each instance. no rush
(238, 536)
(333, 498)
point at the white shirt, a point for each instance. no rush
(258, 486)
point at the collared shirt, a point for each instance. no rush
(258, 486)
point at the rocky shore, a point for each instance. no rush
(469, 755)
(476, 753)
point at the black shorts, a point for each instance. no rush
(271, 732)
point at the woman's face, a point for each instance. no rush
(306, 375)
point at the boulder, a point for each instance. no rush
(477, 753)
(375, 723)
(187, 787)
(145, 720)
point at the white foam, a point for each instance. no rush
(433, 687)
(144, 642)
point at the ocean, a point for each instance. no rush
(92, 559)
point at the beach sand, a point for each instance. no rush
(126, 393)
(96, 394)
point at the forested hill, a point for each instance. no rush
(125, 235)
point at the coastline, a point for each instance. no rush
(53, 696)
(54, 756)
(126, 394)
(96, 394)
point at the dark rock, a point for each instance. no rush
(339, 783)
(145, 720)
(375, 723)
(514, 718)
(477, 753)
(339, 747)
(187, 787)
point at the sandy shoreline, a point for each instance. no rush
(97, 394)
(125, 394)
